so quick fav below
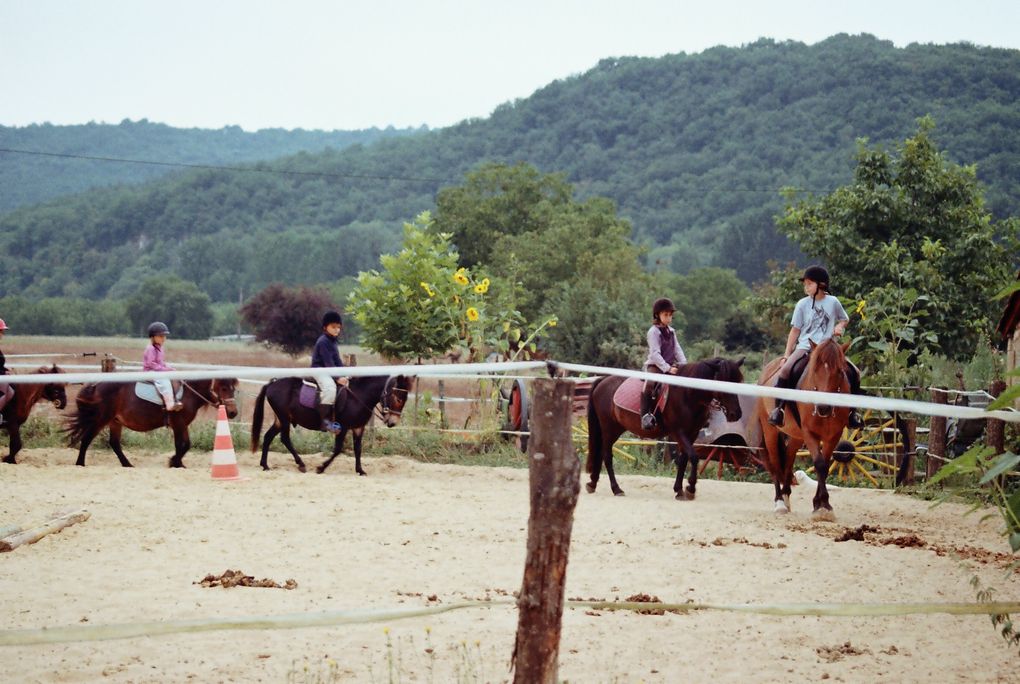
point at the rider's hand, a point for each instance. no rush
(343, 381)
(673, 370)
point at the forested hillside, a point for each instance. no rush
(693, 148)
(30, 179)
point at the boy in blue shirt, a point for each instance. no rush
(327, 355)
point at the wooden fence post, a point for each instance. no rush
(936, 435)
(554, 477)
(442, 405)
(995, 429)
(909, 450)
(108, 364)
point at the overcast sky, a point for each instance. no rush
(345, 64)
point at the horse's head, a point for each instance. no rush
(54, 391)
(826, 372)
(223, 391)
(394, 398)
(726, 370)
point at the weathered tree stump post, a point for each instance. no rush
(936, 435)
(554, 477)
(995, 428)
(107, 364)
(909, 449)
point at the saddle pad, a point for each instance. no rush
(308, 396)
(147, 391)
(628, 395)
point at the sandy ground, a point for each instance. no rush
(414, 535)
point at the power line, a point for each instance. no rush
(243, 169)
(323, 174)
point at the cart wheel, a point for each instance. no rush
(517, 414)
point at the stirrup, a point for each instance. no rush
(777, 416)
(648, 421)
(854, 420)
(332, 427)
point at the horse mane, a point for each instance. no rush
(828, 352)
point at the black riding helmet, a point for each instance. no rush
(660, 305)
(331, 317)
(158, 328)
(818, 274)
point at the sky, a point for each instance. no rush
(351, 64)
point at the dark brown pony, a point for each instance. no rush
(685, 413)
(363, 394)
(25, 397)
(115, 404)
(820, 427)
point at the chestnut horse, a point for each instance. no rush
(25, 397)
(685, 413)
(820, 427)
(363, 393)
(115, 404)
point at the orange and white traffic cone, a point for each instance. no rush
(224, 460)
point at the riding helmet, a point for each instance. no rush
(660, 305)
(817, 274)
(158, 328)
(331, 317)
(3, 325)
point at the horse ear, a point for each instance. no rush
(740, 361)
(812, 343)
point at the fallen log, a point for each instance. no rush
(34, 534)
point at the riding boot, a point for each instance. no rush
(647, 417)
(326, 413)
(778, 414)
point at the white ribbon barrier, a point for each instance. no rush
(471, 369)
(806, 396)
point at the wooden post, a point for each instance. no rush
(442, 405)
(937, 434)
(995, 428)
(909, 450)
(108, 364)
(554, 477)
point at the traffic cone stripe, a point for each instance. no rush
(224, 460)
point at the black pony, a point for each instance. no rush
(363, 393)
(682, 417)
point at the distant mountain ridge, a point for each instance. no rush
(692, 148)
(29, 179)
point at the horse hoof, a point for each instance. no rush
(320, 470)
(684, 496)
(590, 486)
(9, 459)
(823, 515)
(362, 473)
(301, 468)
(780, 508)
(619, 492)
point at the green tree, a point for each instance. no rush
(497, 200)
(707, 297)
(421, 304)
(185, 309)
(933, 212)
(289, 318)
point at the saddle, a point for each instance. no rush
(308, 395)
(147, 390)
(628, 396)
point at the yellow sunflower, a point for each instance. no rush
(472, 313)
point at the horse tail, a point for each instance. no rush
(90, 413)
(256, 419)
(594, 434)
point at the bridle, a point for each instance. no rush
(214, 398)
(384, 400)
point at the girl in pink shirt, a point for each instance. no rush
(153, 360)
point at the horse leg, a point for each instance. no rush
(822, 510)
(609, 438)
(285, 438)
(14, 432)
(182, 442)
(776, 449)
(267, 440)
(338, 446)
(357, 434)
(792, 447)
(116, 429)
(689, 454)
(86, 440)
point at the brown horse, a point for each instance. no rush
(683, 416)
(25, 397)
(820, 426)
(363, 393)
(115, 404)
